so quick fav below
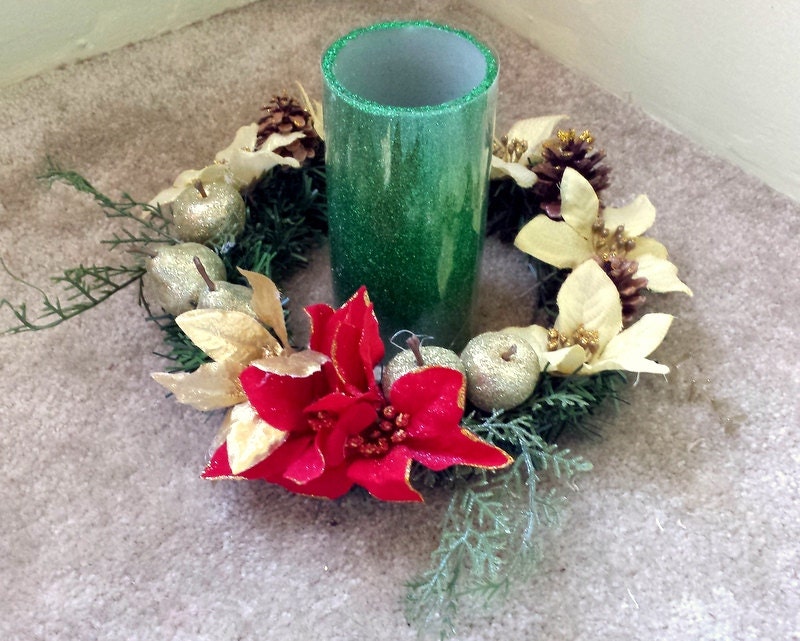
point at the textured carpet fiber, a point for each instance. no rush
(687, 528)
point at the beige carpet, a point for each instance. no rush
(687, 529)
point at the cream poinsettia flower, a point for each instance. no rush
(521, 147)
(237, 164)
(235, 341)
(587, 336)
(611, 233)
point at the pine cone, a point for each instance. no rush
(285, 115)
(567, 149)
(623, 273)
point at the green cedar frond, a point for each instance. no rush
(152, 220)
(491, 526)
(84, 288)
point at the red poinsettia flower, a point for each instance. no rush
(342, 431)
(348, 441)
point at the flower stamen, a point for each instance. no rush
(588, 339)
(509, 150)
(388, 430)
(608, 245)
(320, 420)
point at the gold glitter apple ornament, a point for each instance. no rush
(173, 279)
(416, 357)
(502, 370)
(208, 213)
(220, 294)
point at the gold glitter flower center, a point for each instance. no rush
(589, 339)
(509, 150)
(608, 244)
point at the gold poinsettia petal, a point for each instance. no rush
(637, 216)
(534, 131)
(628, 349)
(296, 364)
(250, 439)
(244, 139)
(553, 242)
(266, 303)
(590, 299)
(246, 164)
(661, 275)
(211, 386)
(523, 176)
(226, 335)
(278, 140)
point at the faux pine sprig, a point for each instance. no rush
(84, 287)
(490, 529)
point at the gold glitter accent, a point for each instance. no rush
(607, 244)
(567, 136)
(589, 339)
(509, 150)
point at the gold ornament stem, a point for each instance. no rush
(198, 185)
(204, 274)
(414, 345)
(509, 353)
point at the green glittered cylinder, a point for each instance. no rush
(409, 117)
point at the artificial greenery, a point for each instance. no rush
(286, 216)
(489, 531)
(85, 287)
(510, 207)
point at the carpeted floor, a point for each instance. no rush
(687, 528)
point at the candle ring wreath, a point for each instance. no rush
(210, 253)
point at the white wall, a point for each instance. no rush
(724, 72)
(36, 35)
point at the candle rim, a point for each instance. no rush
(330, 55)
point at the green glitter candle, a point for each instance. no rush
(409, 117)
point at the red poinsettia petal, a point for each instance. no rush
(306, 466)
(218, 466)
(270, 469)
(332, 484)
(350, 336)
(279, 399)
(319, 314)
(434, 399)
(386, 478)
(463, 448)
